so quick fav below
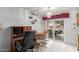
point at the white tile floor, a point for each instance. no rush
(57, 46)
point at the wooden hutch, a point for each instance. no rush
(17, 35)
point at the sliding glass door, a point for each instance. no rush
(55, 29)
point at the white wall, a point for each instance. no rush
(78, 26)
(15, 17)
(39, 25)
(70, 29)
(9, 17)
(19, 16)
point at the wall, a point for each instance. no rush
(9, 17)
(19, 16)
(78, 19)
(70, 29)
(39, 25)
(15, 17)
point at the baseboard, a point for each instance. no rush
(4, 50)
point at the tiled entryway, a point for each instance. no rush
(57, 46)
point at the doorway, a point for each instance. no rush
(55, 29)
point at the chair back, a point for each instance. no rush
(28, 40)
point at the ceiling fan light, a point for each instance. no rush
(49, 14)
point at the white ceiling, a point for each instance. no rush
(42, 11)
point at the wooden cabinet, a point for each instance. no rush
(78, 19)
(17, 35)
(78, 43)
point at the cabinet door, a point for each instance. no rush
(78, 42)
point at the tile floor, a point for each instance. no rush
(57, 46)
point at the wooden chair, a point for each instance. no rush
(40, 42)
